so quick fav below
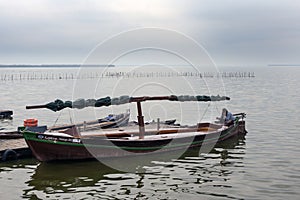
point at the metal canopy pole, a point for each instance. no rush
(140, 118)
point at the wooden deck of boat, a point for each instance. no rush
(12, 144)
(150, 130)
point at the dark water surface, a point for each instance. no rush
(263, 165)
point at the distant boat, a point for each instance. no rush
(6, 114)
(140, 139)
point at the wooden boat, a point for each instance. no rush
(10, 134)
(111, 121)
(131, 140)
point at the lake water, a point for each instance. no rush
(263, 165)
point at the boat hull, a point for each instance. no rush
(51, 147)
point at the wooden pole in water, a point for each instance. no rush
(140, 120)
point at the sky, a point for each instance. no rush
(233, 32)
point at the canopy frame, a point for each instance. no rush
(126, 99)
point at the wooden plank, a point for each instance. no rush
(12, 144)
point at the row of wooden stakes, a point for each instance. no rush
(93, 75)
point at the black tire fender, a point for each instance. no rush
(9, 154)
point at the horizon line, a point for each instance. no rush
(283, 64)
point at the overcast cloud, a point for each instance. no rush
(234, 32)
